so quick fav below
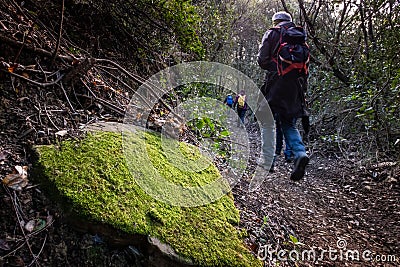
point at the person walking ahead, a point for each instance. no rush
(229, 100)
(241, 105)
(283, 89)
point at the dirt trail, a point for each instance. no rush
(337, 207)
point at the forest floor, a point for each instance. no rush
(342, 208)
(341, 214)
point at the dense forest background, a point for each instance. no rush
(65, 64)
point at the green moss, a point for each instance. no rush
(93, 176)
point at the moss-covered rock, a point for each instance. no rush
(92, 175)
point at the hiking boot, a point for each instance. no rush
(299, 168)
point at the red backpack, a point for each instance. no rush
(293, 53)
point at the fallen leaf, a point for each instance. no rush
(35, 225)
(26, 75)
(3, 155)
(49, 219)
(29, 226)
(23, 98)
(18, 179)
(392, 180)
(4, 245)
(61, 133)
(5, 64)
(40, 224)
(22, 170)
(15, 181)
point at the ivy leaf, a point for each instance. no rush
(210, 123)
(200, 124)
(225, 133)
(295, 240)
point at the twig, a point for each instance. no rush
(76, 97)
(13, 201)
(118, 79)
(105, 102)
(40, 251)
(81, 67)
(66, 96)
(25, 133)
(110, 86)
(39, 110)
(4, 26)
(23, 44)
(33, 234)
(26, 236)
(12, 83)
(35, 82)
(137, 78)
(111, 106)
(48, 116)
(141, 80)
(20, 10)
(42, 229)
(88, 88)
(42, 70)
(41, 51)
(59, 35)
(13, 251)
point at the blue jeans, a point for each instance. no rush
(293, 137)
(279, 140)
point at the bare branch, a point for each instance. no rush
(331, 60)
(34, 49)
(35, 82)
(59, 35)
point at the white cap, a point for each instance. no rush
(281, 15)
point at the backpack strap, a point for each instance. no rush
(278, 44)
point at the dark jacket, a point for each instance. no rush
(285, 94)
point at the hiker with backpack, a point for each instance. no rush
(240, 104)
(284, 55)
(229, 100)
